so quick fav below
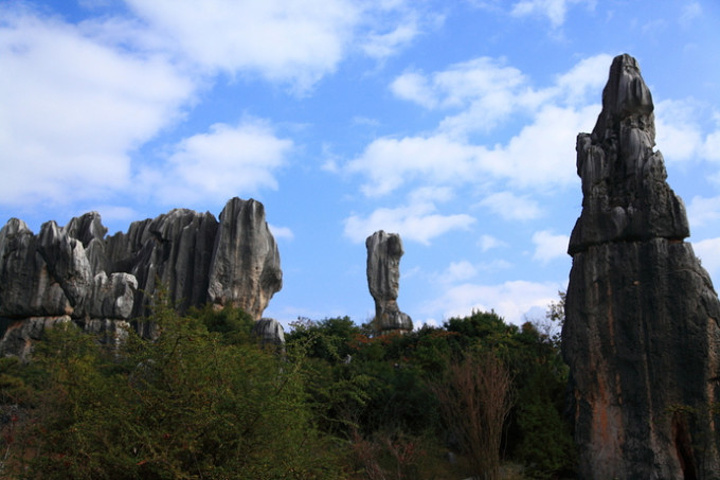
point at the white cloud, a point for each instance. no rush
(281, 232)
(488, 242)
(225, 162)
(540, 156)
(297, 41)
(381, 45)
(711, 147)
(417, 221)
(554, 10)
(678, 135)
(484, 88)
(543, 154)
(511, 207)
(511, 300)
(458, 271)
(73, 108)
(709, 253)
(294, 42)
(583, 83)
(389, 163)
(703, 211)
(548, 246)
(413, 86)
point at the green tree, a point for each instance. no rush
(187, 405)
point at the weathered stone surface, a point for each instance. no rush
(113, 297)
(269, 332)
(175, 249)
(27, 288)
(20, 334)
(76, 271)
(67, 263)
(245, 270)
(384, 251)
(625, 195)
(641, 334)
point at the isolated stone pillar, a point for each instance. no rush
(383, 273)
(641, 334)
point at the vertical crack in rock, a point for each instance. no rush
(641, 333)
(383, 273)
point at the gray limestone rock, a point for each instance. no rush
(27, 287)
(641, 334)
(625, 195)
(174, 249)
(269, 332)
(113, 297)
(384, 251)
(19, 335)
(68, 265)
(245, 270)
(76, 271)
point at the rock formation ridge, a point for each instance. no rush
(383, 273)
(76, 273)
(641, 334)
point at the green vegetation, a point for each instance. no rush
(205, 401)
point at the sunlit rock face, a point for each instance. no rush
(245, 269)
(384, 251)
(75, 272)
(641, 334)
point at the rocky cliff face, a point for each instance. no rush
(383, 273)
(641, 333)
(245, 268)
(74, 273)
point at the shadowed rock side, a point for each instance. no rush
(641, 334)
(383, 273)
(75, 273)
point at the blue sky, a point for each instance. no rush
(452, 123)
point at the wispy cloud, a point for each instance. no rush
(703, 211)
(554, 10)
(295, 42)
(218, 164)
(417, 221)
(486, 94)
(512, 207)
(549, 246)
(512, 300)
(679, 134)
(281, 232)
(79, 140)
(488, 242)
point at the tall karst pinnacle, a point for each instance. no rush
(641, 334)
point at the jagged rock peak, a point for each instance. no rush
(77, 271)
(384, 251)
(625, 195)
(641, 333)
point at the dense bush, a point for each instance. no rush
(204, 400)
(187, 405)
